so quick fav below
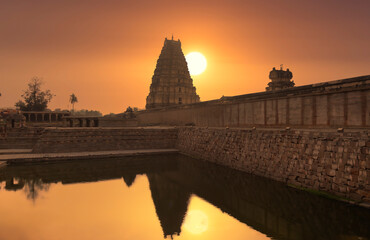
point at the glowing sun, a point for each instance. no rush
(196, 222)
(197, 63)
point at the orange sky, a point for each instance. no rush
(105, 51)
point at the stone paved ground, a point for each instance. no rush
(38, 157)
(14, 151)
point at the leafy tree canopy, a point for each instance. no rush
(73, 99)
(88, 113)
(33, 98)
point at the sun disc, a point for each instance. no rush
(197, 63)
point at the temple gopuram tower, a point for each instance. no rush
(171, 82)
(280, 79)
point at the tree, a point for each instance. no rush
(33, 187)
(73, 100)
(87, 113)
(34, 98)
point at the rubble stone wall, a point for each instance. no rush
(324, 160)
(104, 139)
(337, 163)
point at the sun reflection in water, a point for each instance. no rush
(196, 222)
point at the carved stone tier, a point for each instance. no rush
(280, 79)
(171, 82)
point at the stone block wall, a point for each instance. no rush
(117, 122)
(342, 103)
(104, 139)
(337, 163)
(20, 138)
(325, 160)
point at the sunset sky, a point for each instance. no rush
(106, 51)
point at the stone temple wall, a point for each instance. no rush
(341, 103)
(325, 160)
(337, 163)
(104, 139)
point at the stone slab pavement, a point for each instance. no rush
(14, 151)
(49, 157)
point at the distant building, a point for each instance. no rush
(171, 82)
(280, 79)
(45, 116)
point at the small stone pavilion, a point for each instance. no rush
(280, 79)
(45, 116)
(171, 82)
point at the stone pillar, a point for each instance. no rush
(49, 117)
(81, 122)
(96, 123)
(42, 117)
(87, 122)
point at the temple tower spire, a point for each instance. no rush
(171, 82)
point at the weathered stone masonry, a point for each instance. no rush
(336, 163)
(325, 160)
(341, 103)
(104, 139)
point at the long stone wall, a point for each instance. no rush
(104, 139)
(329, 161)
(267, 206)
(325, 160)
(341, 103)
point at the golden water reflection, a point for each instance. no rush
(196, 221)
(101, 210)
(158, 197)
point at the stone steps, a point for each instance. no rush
(75, 140)
(15, 151)
(20, 138)
(17, 146)
(12, 139)
(68, 156)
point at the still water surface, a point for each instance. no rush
(164, 196)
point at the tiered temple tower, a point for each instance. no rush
(171, 82)
(280, 79)
(171, 203)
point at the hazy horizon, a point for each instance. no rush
(106, 52)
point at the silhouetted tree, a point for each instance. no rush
(33, 187)
(73, 100)
(90, 113)
(34, 98)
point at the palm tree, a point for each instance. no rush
(73, 100)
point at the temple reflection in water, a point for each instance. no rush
(269, 207)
